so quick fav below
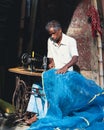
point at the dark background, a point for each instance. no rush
(10, 32)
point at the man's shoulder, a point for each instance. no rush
(68, 38)
(49, 40)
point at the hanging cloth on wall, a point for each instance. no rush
(93, 14)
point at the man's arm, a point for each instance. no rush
(73, 61)
(51, 63)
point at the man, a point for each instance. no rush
(62, 54)
(62, 49)
(74, 102)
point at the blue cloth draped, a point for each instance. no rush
(75, 103)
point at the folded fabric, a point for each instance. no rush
(75, 103)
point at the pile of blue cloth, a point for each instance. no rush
(75, 103)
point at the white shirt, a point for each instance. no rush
(62, 53)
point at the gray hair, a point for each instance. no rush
(53, 24)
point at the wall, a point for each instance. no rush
(80, 29)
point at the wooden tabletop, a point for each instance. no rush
(23, 71)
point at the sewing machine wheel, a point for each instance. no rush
(26, 59)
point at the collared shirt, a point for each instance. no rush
(62, 53)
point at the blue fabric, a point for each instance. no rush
(74, 103)
(37, 101)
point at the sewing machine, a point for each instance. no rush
(29, 61)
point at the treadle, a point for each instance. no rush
(18, 119)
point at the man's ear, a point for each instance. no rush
(60, 30)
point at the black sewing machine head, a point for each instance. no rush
(33, 61)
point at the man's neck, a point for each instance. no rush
(59, 41)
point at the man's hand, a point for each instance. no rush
(62, 70)
(68, 65)
(51, 65)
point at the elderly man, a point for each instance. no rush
(62, 49)
(74, 102)
(62, 54)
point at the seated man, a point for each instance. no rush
(75, 102)
(37, 103)
(62, 49)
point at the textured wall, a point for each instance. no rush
(80, 29)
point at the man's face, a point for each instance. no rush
(56, 35)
